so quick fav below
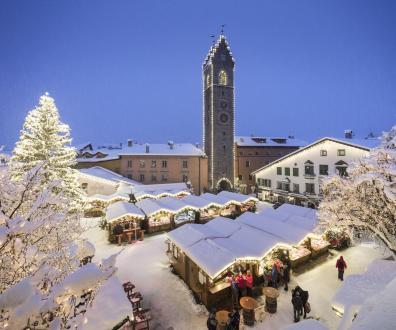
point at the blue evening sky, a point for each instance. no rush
(132, 69)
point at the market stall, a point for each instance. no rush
(97, 204)
(246, 202)
(123, 221)
(227, 207)
(158, 191)
(207, 209)
(182, 212)
(158, 217)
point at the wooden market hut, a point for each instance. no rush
(203, 254)
(157, 191)
(166, 213)
(125, 214)
(207, 209)
(245, 202)
(229, 208)
(97, 203)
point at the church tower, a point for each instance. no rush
(218, 108)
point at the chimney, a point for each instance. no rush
(147, 148)
(130, 143)
(348, 133)
(171, 144)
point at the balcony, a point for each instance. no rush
(310, 176)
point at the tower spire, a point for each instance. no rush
(222, 29)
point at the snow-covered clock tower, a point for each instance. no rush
(218, 108)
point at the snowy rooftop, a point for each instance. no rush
(365, 144)
(158, 149)
(241, 198)
(120, 209)
(167, 204)
(368, 143)
(301, 217)
(105, 174)
(156, 190)
(266, 141)
(251, 236)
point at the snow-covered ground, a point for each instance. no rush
(146, 265)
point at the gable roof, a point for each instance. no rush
(106, 174)
(268, 141)
(356, 143)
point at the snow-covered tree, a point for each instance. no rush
(365, 200)
(43, 282)
(45, 140)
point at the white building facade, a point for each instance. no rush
(296, 178)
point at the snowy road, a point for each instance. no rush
(146, 265)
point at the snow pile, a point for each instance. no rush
(100, 316)
(306, 325)
(378, 311)
(357, 290)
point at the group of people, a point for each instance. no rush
(241, 285)
(280, 272)
(300, 303)
(232, 322)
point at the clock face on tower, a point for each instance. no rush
(223, 118)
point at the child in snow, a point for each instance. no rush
(341, 265)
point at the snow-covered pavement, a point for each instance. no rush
(146, 265)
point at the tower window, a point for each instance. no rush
(222, 78)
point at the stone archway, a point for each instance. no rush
(224, 184)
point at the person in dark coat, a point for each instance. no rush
(304, 298)
(297, 305)
(341, 265)
(212, 322)
(235, 291)
(286, 274)
(274, 276)
(233, 320)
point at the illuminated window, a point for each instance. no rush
(207, 80)
(222, 78)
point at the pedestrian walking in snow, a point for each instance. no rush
(212, 322)
(341, 265)
(249, 283)
(297, 305)
(304, 298)
(274, 276)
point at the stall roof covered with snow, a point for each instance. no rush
(121, 209)
(170, 205)
(160, 190)
(216, 245)
(300, 217)
(101, 173)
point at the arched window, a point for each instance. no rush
(309, 168)
(222, 78)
